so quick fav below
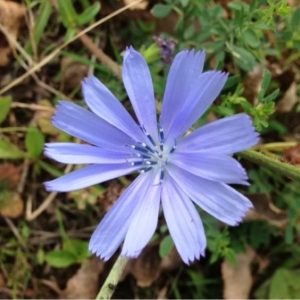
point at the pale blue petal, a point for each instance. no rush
(104, 104)
(182, 79)
(228, 135)
(88, 127)
(88, 176)
(207, 88)
(213, 166)
(71, 153)
(144, 219)
(218, 199)
(138, 84)
(111, 231)
(183, 221)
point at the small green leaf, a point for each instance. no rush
(8, 150)
(34, 142)
(250, 38)
(67, 12)
(60, 258)
(4, 107)
(266, 79)
(244, 58)
(88, 14)
(295, 20)
(189, 32)
(165, 246)
(161, 10)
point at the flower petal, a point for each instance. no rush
(88, 176)
(112, 229)
(228, 135)
(212, 166)
(183, 221)
(86, 126)
(218, 199)
(183, 74)
(71, 153)
(104, 104)
(207, 88)
(144, 220)
(138, 84)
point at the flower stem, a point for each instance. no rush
(112, 279)
(271, 163)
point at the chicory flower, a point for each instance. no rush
(175, 170)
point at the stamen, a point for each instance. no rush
(145, 170)
(174, 147)
(161, 134)
(148, 135)
(161, 146)
(151, 162)
(147, 147)
(141, 149)
(162, 175)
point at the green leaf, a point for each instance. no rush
(88, 14)
(161, 10)
(8, 150)
(189, 32)
(60, 258)
(34, 142)
(266, 79)
(67, 13)
(295, 20)
(244, 58)
(4, 107)
(42, 20)
(285, 284)
(165, 246)
(250, 38)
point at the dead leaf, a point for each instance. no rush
(10, 16)
(265, 210)
(252, 84)
(9, 176)
(238, 280)
(146, 268)
(73, 73)
(292, 155)
(11, 204)
(2, 281)
(84, 284)
(288, 100)
(111, 195)
(43, 117)
(171, 261)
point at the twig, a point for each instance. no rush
(103, 58)
(30, 216)
(31, 106)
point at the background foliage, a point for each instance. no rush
(44, 237)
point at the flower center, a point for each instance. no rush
(151, 155)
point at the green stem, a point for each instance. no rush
(273, 164)
(113, 278)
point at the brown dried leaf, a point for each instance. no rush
(43, 117)
(252, 84)
(9, 176)
(111, 195)
(292, 155)
(171, 261)
(146, 268)
(84, 284)
(73, 73)
(11, 204)
(265, 210)
(238, 280)
(10, 15)
(288, 100)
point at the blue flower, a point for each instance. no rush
(174, 169)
